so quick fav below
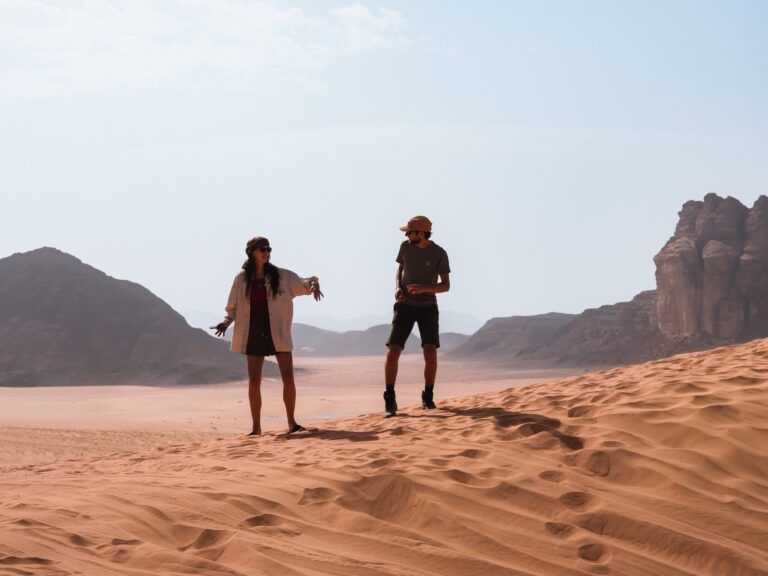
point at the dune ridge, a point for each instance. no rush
(655, 469)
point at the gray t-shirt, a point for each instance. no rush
(421, 266)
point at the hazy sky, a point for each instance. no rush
(551, 142)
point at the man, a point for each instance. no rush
(420, 263)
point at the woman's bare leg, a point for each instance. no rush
(285, 363)
(255, 365)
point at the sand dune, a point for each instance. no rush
(656, 469)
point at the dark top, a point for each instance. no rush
(259, 298)
(421, 266)
(259, 331)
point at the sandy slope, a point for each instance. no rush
(653, 469)
(40, 425)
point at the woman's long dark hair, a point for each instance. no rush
(270, 270)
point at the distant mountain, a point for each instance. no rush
(338, 324)
(513, 336)
(312, 341)
(204, 321)
(450, 321)
(615, 334)
(712, 290)
(63, 322)
(449, 341)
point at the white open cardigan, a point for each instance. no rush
(280, 310)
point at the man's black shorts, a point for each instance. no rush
(406, 315)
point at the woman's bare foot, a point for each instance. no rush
(255, 432)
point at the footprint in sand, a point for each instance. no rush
(263, 520)
(380, 463)
(125, 542)
(207, 538)
(591, 552)
(595, 522)
(559, 529)
(316, 496)
(579, 411)
(20, 560)
(463, 477)
(551, 476)
(78, 540)
(578, 500)
(612, 444)
(472, 453)
(598, 462)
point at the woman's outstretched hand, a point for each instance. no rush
(314, 287)
(221, 328)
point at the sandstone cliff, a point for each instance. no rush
(712, 289)
(712, 274)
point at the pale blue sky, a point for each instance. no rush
(552, 143)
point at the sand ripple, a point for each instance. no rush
(656, 469)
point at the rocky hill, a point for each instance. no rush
(712, 290)
(312, 341)
(63, 322)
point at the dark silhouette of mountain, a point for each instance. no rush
(312, 341)
(449, 341)
(63, 322)
(613, 334)
(712, 290)
(512, 336)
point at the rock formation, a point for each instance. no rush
(63, 322)
(613, 334)
(515, 336)
(712, 289)
(712, 275)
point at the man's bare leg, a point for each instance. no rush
(390, 367)
(255, 365)
(430, 372)
(430, 365)
(390, 377)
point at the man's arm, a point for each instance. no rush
(399, 297)
(443, 286)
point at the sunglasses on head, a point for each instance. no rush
(267, 249)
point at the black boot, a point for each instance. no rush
(390, 404)
(426, 399)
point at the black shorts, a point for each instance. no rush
(406, 315)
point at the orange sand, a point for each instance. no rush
(72, 422)
(657, 469)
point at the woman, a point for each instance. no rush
(261, 306)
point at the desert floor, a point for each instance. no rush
(42, 424)
(658, 469)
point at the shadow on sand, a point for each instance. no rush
(529, 424)
(319, 434)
